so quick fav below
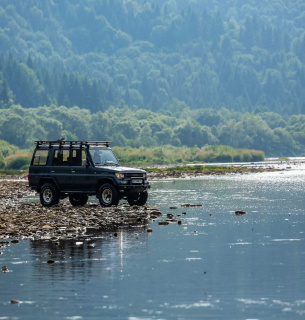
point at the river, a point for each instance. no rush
(215, 265)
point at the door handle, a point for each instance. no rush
(72, 171)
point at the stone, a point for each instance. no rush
(4, 269)
(15, 301)
(185, 205)
(238, 212)
(46, 227)
(163, 223)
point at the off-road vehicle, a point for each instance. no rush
(78, 169)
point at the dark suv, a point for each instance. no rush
(78, 169)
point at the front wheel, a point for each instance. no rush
(108, 196)
(137, 199)
(49, 195)
(78, 199)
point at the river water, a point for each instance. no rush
(216, 265)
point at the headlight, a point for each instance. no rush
(120, 175)
(145, 175)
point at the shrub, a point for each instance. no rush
(7, 149)
(18, 161)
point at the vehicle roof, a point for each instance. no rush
(70, 144)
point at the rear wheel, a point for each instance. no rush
(77, 199)
(108, 196)
(137, 198)
(49, 195)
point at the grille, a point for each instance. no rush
(134, 175)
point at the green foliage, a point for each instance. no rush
(11, 172)
(174, 155)
(143, 128)
(18, 161)
(152, 73)
(207, 54)
(7, 149)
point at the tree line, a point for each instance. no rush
(272, 133)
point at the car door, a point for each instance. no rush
(60, 169)
(81, 177)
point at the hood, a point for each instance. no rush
(120, 169)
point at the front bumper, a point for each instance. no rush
(130, 188)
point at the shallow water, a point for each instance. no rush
(216, 265)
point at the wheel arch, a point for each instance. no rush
(47, 180)
(103, 181)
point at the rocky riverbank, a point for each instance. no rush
(174, 173)
(22, 220)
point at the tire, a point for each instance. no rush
(49, 195)
(78, 199)
(137, 199)
(108, 196)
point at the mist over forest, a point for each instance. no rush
(152, 73)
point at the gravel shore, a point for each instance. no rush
(174, 173)
(20, 219)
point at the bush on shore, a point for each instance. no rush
(18, 161)
(176, 155)
(12, 158)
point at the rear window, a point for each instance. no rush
(40, 158)
(61, 157)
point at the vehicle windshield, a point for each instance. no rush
(103, 156)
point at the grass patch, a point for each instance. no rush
(175, 155)
(12, 172)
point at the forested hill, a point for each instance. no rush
(241, 55)
(207, 72)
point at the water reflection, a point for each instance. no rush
(81, 257)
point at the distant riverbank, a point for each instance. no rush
(196, 170)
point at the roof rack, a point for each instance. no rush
(62, 143)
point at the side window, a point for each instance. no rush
(40, 158)
(78, 157)
(61, 158)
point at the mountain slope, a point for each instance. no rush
(205, 53)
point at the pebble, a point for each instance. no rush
(4, 269)
(238, 212)
(15, 301)
(163, 223)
